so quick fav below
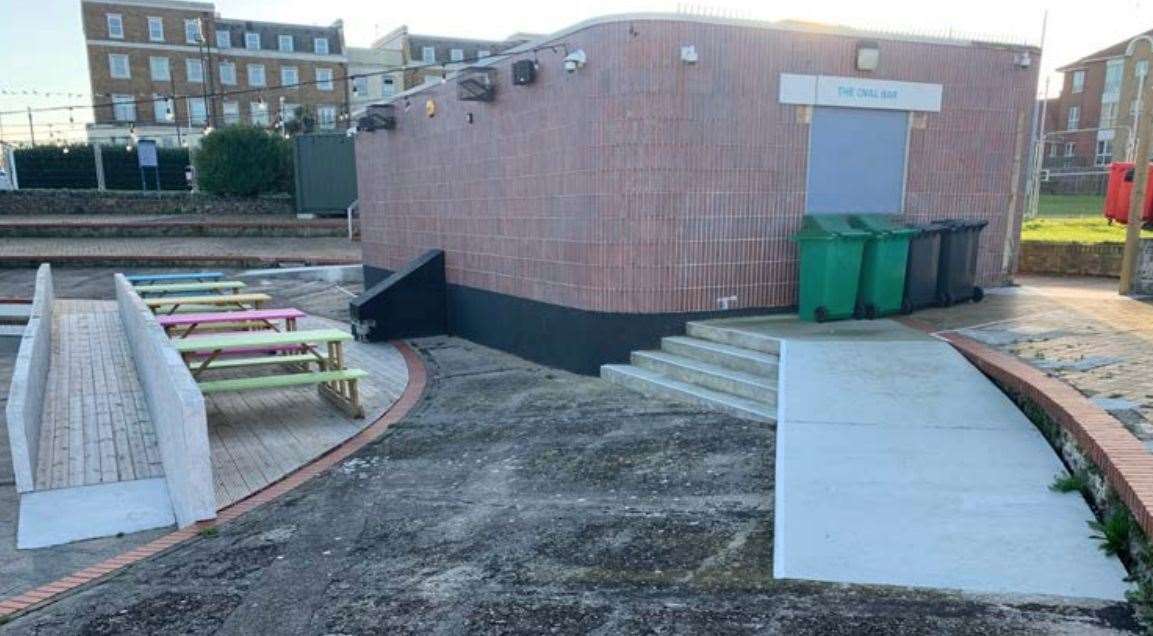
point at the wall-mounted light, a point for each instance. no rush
(689, 54)
(868, 56)
(575, 60)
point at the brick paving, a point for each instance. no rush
(1076, 329)
(94, 251)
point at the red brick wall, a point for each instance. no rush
(641, 184)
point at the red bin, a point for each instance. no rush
(1120, 190)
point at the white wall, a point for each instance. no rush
(29, 377)
(176, 407)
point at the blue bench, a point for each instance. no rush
(170, 278)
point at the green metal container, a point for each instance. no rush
(882, 286)
(831, 250)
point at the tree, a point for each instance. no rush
(243, 161)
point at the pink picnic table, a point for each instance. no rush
(260, 318)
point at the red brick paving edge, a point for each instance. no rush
(417, 382)
(1124, 461)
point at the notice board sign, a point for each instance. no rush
(857, 92)
(146, 154)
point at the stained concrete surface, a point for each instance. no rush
(518, 499)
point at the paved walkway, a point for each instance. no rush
(82, 250)
(520, 499)
(1078, 329)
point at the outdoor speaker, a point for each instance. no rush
(523, 72)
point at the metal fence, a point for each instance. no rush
(98, 167)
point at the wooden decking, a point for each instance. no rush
(95, 424)
(258, 437)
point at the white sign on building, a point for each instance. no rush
(856, 92)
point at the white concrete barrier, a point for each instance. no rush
(29, 378)
(176, 407)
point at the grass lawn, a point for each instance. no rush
(1080, 229)
(1071, 205)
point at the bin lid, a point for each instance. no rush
(827, 227)
(882, 224)
(961, 224)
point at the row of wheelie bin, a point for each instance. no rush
(867, 266)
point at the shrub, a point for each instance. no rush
(1114, 533)
(1068, 483)
(243, 161)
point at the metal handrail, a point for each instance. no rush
(355, 205)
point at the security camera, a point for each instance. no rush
(574, 60)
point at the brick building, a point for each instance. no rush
(434, 56)
(169, 69)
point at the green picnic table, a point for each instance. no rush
(230, 286)
(335, 382)
(170, 304)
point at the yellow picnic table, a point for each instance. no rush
(222, 286)
(170, 304)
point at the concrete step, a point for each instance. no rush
(735, 337)
(728, 356)
(651, 383)
(281, 228)
(13, 331)
(709, 376)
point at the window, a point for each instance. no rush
(320, 46)
(223, 40)
(1053, 150)
(288, 111)
(1141, 69)
(387, 87)
(428, 54)
(289, 76)
(194, 67)
(1069, 149)
(258, 113)
(231, 113)
(192, 31)
(115, 26)
(324, 79)
(228, 73)
(155, 29)
(1114, 71)
(252, 41)
(256, 75)
(161, 108)
(1104, 152)
(456, 55)
(118, 66)
(123, 108)
(1078, 81)
(360, 87)
(326, 116)
(285, 44)
(1108, 114)
(159, 68)
(197, 113)
(1073, 118)
(483, 53)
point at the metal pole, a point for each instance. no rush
(98, 159)
(1140, 184)
(31, 129)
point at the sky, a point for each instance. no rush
(42, 47)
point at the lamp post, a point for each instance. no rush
(1140, 172)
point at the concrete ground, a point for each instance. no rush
(519, 499)
(1077, 329)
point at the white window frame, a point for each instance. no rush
(324, 122)
(1078, 82)
(161, 106)
(456, 55)
(124, 107)
(115, 23)
(361, 86)
(189, 64)
(159, 69)
(280, 43)
(428, 54)
(1073, 118)
(252, 41)
(190, 36)
(284, 81)
(1104, 152)
(155, 28)
(263, 75)
(288, 111)
(112, 59)
(231, 118)
(324, 79)
(1069, 148)
(258, 113)
(229, 78)
(223, 39)
(1109, 112)
(387, 87)
(483, 53)
(191, 103)
(320, 46)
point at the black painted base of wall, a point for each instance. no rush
(571, 339)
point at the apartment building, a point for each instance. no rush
(374, 75)
(433, 56)
(171, 69)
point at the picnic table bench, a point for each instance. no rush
(170, 304)
(242, 320)
(335, 382)
(222, 286)
(136, 279)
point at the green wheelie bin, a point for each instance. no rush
(830, 250)
(886, 254)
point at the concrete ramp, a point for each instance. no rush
(899, 463)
